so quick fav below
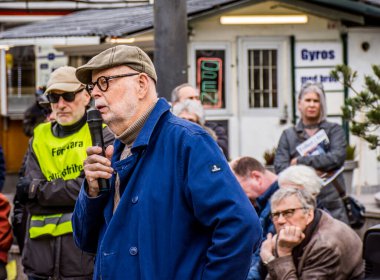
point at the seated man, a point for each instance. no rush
(259, 185)
(309, 243)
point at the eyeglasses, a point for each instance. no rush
(286, 213)
(67, 96)
(102, 82)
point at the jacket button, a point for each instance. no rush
(135, 199)
(133, 251)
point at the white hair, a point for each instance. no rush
(190, 106)
(306, 198)
(301, 176)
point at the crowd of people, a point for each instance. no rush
(176, 206)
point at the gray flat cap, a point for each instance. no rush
(130, 56)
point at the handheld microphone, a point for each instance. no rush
(95, 123)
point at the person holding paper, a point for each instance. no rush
(328, 154)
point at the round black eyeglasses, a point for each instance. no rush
(102, 82)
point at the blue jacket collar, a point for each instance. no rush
(146, 132)
(263, 199)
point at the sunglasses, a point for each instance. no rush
(103, 82)
(67, 96)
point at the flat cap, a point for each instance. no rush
(63, 78)
(130, 56)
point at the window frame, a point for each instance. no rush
(263, 43)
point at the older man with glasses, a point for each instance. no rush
(54, 174)
(174, 209)
(309, 243)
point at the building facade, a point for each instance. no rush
(248, 74)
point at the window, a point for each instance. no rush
(262, 78)
(21, 73)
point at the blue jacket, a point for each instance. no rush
(257, 269)
(182, 213)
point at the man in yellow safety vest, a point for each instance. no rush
(54, 175)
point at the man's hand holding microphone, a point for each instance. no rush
(97, 166)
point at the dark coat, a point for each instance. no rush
(221, 136)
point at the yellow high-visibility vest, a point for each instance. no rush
(61, 157)
(58, 158)
(50, 225)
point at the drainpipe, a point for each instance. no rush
(345, 123)
(292, 61)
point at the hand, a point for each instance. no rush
(96, 166)
(293, 161)
(267, 246)
(22, 189)
(288, 238)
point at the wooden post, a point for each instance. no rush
(170, 42)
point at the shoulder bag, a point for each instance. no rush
(355, 209)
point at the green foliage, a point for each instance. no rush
(269, 156)
(362, 109)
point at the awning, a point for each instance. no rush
(94, 26)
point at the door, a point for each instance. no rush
(264, 83)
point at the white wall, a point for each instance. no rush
(252, 133)
(261, 131)
(361, 61)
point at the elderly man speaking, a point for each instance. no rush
(175, 210)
